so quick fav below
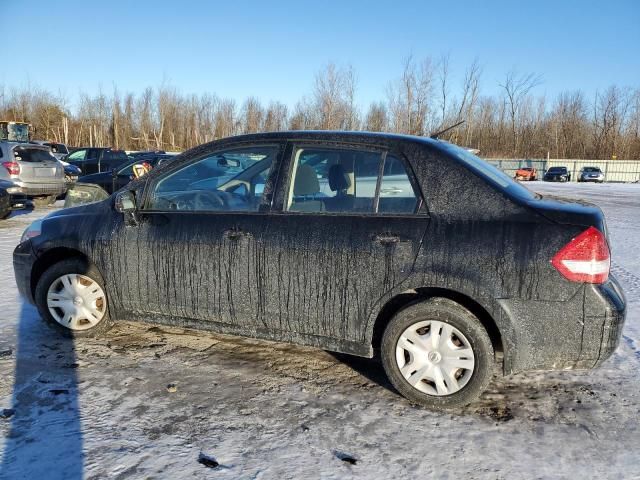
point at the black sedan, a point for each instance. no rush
(557, 174)
(352, 242)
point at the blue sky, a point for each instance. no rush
(273, 49)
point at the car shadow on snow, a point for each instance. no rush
(45, 436)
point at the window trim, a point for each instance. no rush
(263, 207)
(285, 180)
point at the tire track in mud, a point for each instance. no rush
(630, 281)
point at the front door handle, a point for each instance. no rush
(386, 239)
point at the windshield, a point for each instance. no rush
(591, 169)
(58, 148)
(557, 170)
(14, 132)
(488, 171)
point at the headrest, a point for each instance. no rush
(338, 178)
(306, 182)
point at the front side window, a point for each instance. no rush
(327, 180)
(233, 180)
(77, 156)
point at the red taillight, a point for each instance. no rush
(586, 258)
(12, 167)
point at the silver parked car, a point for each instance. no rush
(32, 168)
(591, 174)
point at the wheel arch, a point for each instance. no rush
(410, 297)
(51, 257)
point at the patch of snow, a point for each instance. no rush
(102, 408)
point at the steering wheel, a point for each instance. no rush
(207, 200)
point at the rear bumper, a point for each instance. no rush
(41, 189)
(581, 332)
(23, 260)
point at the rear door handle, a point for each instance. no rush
(391, 190)
(386, 239)
(235, 234)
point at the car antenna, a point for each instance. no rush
(437, 134)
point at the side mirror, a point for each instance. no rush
(125, 202)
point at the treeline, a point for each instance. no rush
(513, 123)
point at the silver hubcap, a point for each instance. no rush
(76, 301)
(435, 358)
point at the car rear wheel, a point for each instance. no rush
(437, 354)
(71, 297)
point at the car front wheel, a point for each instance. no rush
(71, 297)
(436, 353)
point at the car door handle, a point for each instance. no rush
(391, 190)
(235, 234)
(386, 239)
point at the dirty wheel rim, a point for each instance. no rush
(435, 358)
(76, 301)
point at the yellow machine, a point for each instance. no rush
(15, 131)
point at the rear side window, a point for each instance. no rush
(32, 155)
(115, 155)
(396, 192)
(329, 180)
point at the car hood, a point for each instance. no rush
(94, 208)
(94, 177)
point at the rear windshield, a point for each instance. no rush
(489, 172)
(32, 155)
(115, 155)
(591, 169)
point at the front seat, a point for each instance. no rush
(306, 188)
(339, 182)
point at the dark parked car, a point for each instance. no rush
(557, 174)
(96, 160)
(591, 174)
(5, 199)
(435, 281)
(116, 179)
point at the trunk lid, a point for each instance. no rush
(569, 211)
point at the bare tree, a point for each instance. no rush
(516, 88)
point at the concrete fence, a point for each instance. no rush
(614, 170)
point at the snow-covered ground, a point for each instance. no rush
(103, 409)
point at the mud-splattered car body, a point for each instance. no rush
(333, 280)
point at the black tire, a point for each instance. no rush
(446, 311)
(72, 265)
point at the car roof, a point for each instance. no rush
(23, 144)
(356, 137)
